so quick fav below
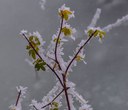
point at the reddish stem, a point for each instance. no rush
(55, 98)
(58, 37)
(18, 97)
(66, 92)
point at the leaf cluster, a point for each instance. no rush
(67, 31)
(54, 106)
(34, 42)
(39, 64)
(65, 14)
(98, 33)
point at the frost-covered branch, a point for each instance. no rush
(89, 38)
(51, 58)
(116, 24)
(21, 95)
(95, 18)
(58, 38)
(54, 98)
(42, 58)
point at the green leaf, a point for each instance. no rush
(31, 38)
(55, 40)
(28, 47)
(96, 33)
(66, 31)
(65, 14)
(32, 54)
(66, 17)
(55, 104)
(90, 31)
(33, 43)
(39, 64)
(37, 41)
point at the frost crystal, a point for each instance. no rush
(21, 94)
(23, 32)
(23, 91)
(116, 24)
(95, 18)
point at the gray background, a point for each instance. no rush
(103, 81)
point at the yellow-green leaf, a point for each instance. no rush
(55, 40)
(55, 104)
(66, 31)
(65, 14)
(78, 58)
(32, 54)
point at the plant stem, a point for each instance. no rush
(89, 38)
(66, 92)
(58, 37)
(35, 107)
(43, 60)
(18, 97)
(55, 98)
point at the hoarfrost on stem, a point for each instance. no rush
(51, 58)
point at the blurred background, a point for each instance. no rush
(103, 81)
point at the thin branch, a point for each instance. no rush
(89, 38)
(51, 58)
(43, 60)
(58, 37)
(66, 93)
(64, 75)
(54, 98)
(35, 107)
(18, 97)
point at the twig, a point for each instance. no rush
(65, 74)
(35, 107)
(54, 98)
(79, 51)
(58, 37)
(18, 97)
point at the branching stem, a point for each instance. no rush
(55, 98)
(43, 60)
(89, 38)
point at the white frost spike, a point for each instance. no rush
(18, 107)
(117, 23)
(85, 107)
(23, 32)
(77, 96)
(37, 34)
(71, 102)
(51, 93)
(23, 91)
(95, 18)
